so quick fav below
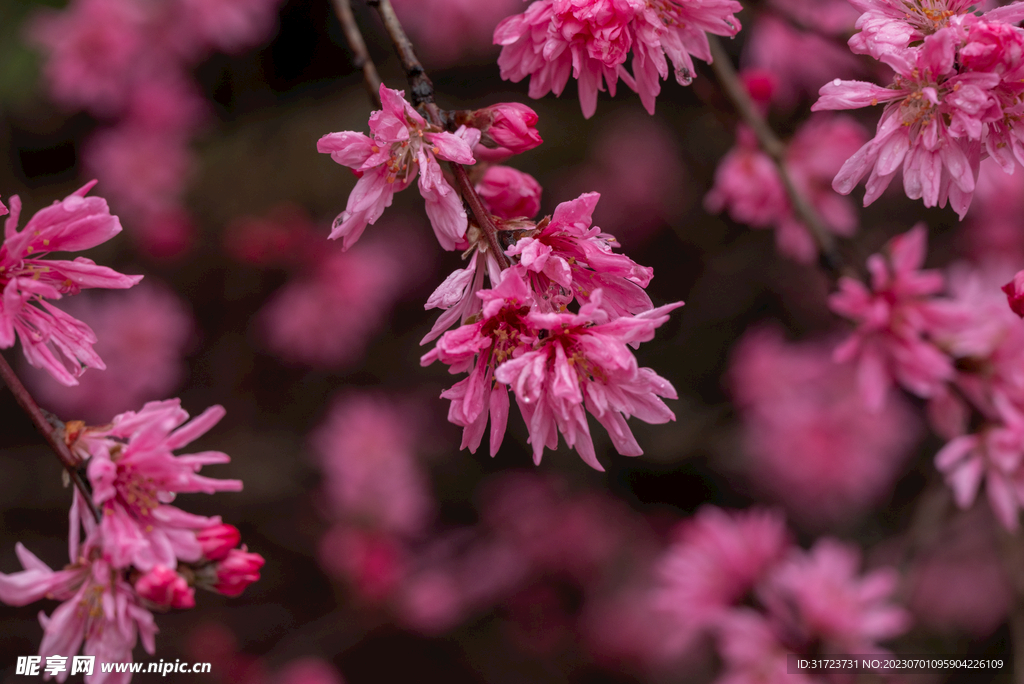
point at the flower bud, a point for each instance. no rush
(1015, 293)
(218, 540)
(164, 587)
(510, 125)
(238, 570)
(510, 193)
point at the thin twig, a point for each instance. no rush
(53, 434)
(423, 96)
(774, 148)
(360, 55)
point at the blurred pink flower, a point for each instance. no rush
(371, 561)
(447, 32)
(325, 316)
(229, 26)
(818, 597)
(165, 588)
(308, 670)
(94, 49)
(51, 339)
(813, 445)
(992, 232)
(748, 185)
(894, 318)
(143, 337)
(367, 449)
(717, 558)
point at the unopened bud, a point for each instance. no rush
(1015, 293)
(238, 570)
(510, 193)
(218, 540)
(510, 125)
(164, 587)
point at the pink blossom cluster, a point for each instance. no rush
(50, 338)
(812, 444)
(520, 334)
(747, 183)
(127, 62)
(950, 339)
(737, 578)
(142, 554)
(954, 98)
(592, 39)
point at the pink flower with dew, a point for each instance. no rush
(819, 597)
(591, 40)
(717, 558)
(402, 145)
(933, 125)
(446, 32)
(567, 257)
(143, 337)
(165, 588)
(888, 27)
(894, 318)
(325, 316)
(502, 331)
(134, 477)
(94, 50)
(812, 444)
(995, 454)
(123, 158)
(99, 608)
(509, 193)
(229, 26)
(457, 294)
(367, 449)
(51, 339)
(584, 361)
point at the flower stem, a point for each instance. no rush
(422, 89)
(360, 55)
(774, 148)
(53, 434)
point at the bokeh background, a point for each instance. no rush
(392, 556)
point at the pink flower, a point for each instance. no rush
(584, 361)
(566, 254)
(812, 444)
(933, 125)
(448, 31)
(508, 125)
(367, 448)
(308, 670)
(227, 25)
(94, 49)
(99, 608)
(143, 335)
(752, 652)
(217, 540)
(326, 314)
(402, 145)
(165, 588)
(134, 476)
(894, 318)
(509, 193)
(717, 558)
(372, 562)
(50, 338)
(819, 596)
(236, 571)
(1015, 293)
(591, 39)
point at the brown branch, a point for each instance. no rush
(360, 55)
(423, 96)
(53, 434)
(774, 148)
